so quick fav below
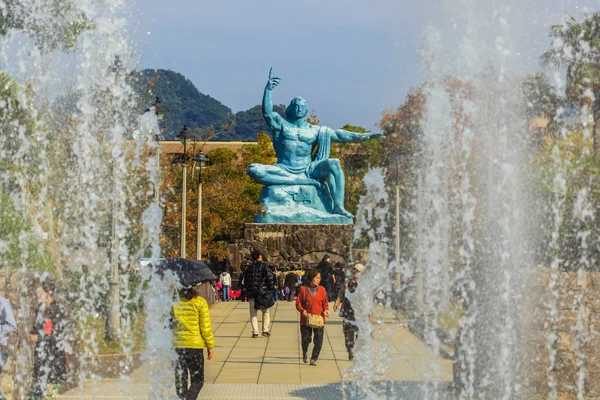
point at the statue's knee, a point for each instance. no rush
(335, 164)
(254, 171)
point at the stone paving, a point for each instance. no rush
(261, 368)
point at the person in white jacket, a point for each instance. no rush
(225, 280)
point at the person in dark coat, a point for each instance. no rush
(259, 284)
(50, 336)
(344, 300)
(325, 268)
(340, 278)
(291, 279)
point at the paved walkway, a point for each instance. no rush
(246, 368)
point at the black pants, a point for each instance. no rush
(350, 334)
(307, 332)
(192, 361)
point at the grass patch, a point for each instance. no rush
(450, 318)
(96, 328)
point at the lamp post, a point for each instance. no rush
(184, 135)
(398, 277)
(200, 161)
(160, 113)
(113, 320)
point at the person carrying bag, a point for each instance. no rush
(314, 309)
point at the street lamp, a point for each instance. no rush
(200, 161)
(160, 113)
(184, 135)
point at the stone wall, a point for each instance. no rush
(562, 321)
(299, 244)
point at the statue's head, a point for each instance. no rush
(297, 109)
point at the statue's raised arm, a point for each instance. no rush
(273, 119)
(343, 136)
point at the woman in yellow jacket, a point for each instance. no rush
(192, 331)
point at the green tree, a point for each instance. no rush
(576, 47)
(356, 160)
(21, 247)
(52, 24)
(229, 198)
(542, 100)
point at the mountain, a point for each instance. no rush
(186, 105)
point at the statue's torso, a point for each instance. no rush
(293, 145)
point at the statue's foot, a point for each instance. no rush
(342, 211)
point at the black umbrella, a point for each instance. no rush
(188, 271)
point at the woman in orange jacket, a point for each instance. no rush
(192, 331)
(314, 309)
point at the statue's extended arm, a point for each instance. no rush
(273, 119)
(342, 136)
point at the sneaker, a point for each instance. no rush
(313, 363)
(266, 334)
(254, 335)
(305, 358)
(350, 356)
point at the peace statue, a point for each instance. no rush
(300, 188)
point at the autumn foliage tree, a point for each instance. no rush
(229, 199)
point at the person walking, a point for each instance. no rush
(242, 283)
(276, 288)
(340, 278)
(290, 281)
(225, 280)
(344, 300)
(281, 282)
(327, 274)
(259, 283)
(314, 310)
(8, 325)
(50, 335)
(192, 332)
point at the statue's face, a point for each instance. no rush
(297, 108)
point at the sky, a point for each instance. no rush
(350, 59)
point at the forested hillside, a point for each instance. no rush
(186, 105)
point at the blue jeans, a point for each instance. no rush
(276, 295)
(226, 293)
(328, 291)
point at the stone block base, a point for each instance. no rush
(300, 244)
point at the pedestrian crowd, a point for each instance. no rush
(261, 286)
(51, 337)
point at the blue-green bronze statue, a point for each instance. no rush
(300, 188)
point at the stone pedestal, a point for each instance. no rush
(300, 244)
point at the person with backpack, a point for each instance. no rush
(259, 284)
(192, 331)
(313, 306)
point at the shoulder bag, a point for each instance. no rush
(312, 320)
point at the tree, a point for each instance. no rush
(576, 47)
(230, 198)
(52, 24)
(541, 101)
